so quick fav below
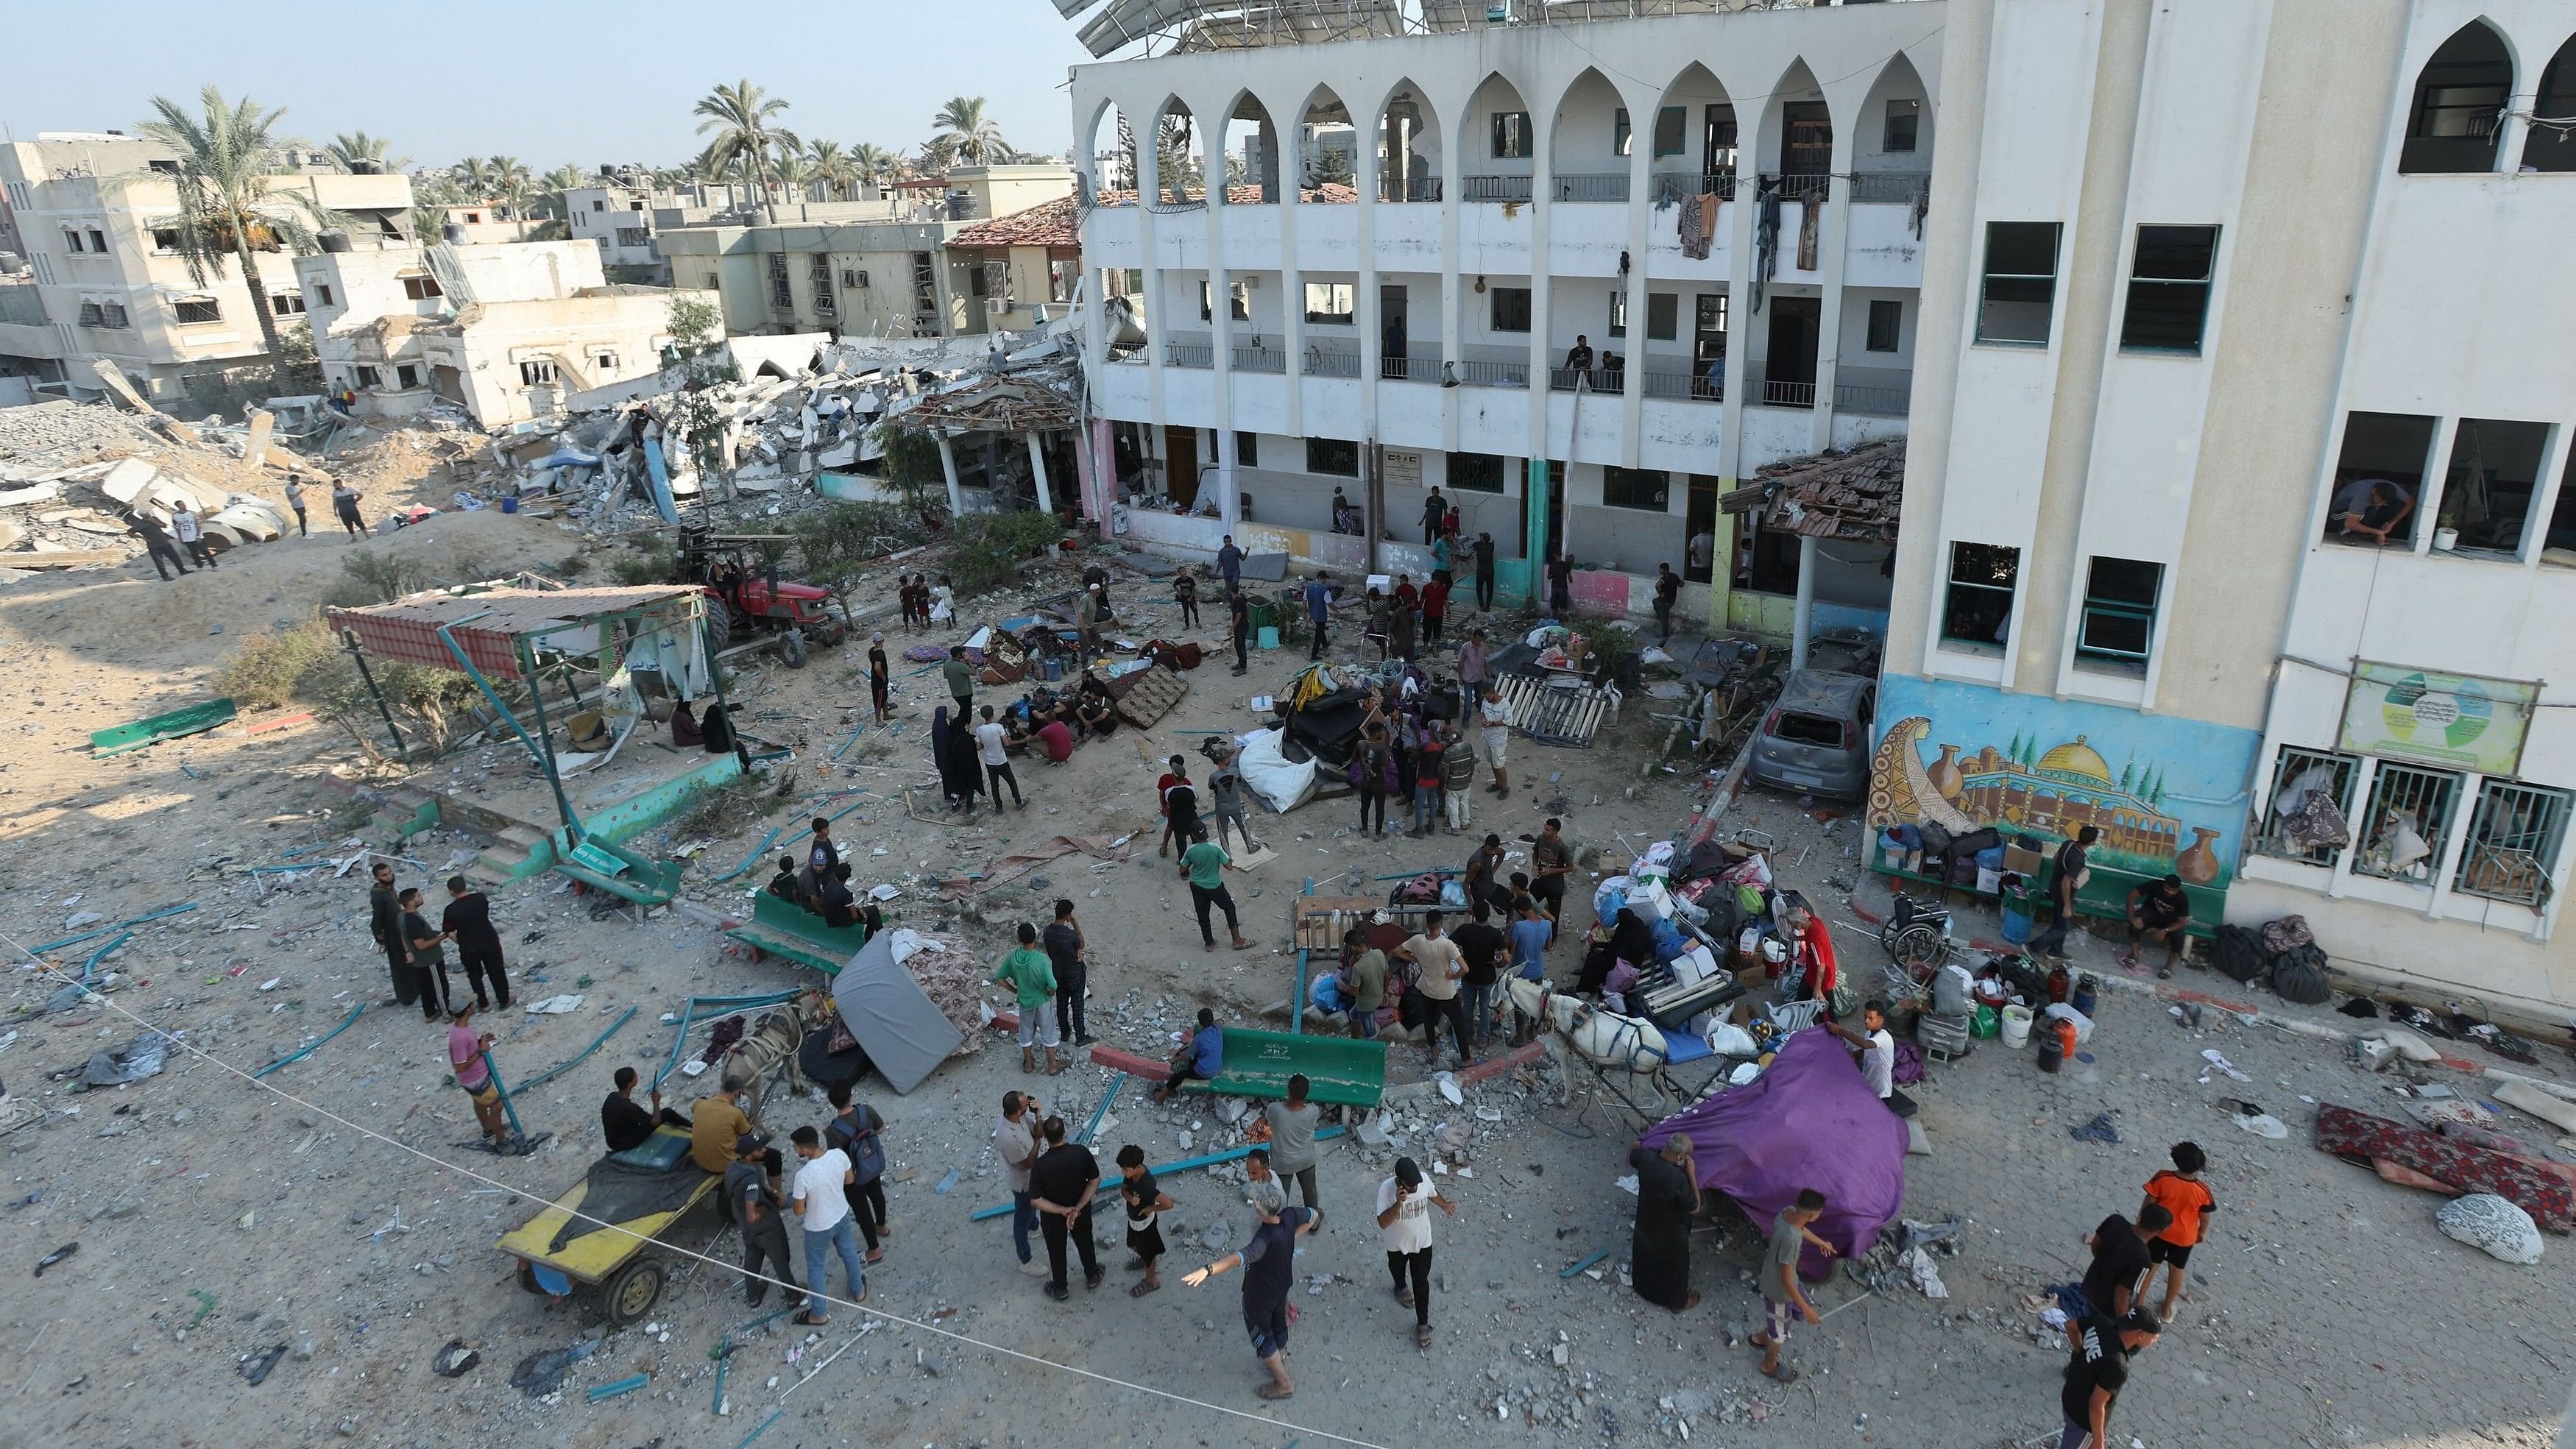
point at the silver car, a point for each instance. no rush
(1816, 737)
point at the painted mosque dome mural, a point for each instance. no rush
(2030, 786)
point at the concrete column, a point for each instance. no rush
(1229, 480)
(1803, 627)
(948, 466)
(1037, 471)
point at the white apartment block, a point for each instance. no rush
(619, 220)
(1727, 209)
(97, 213)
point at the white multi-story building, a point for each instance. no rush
(1424, 228)
(98, 214)
(619, 219)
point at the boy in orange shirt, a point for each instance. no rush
(2181, 1193)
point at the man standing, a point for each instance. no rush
(1782, 1294)
(1205, 863)
(1269, 1264)
(384, 908)
(1030, 977)
(157, 546)
(1065, 955)
(466, 1057)
(1668, 1198)
(1877, 1055)
(625, 1124)
(1016, 1141)
(1531, 935)
(2096, 1372)
(344, 505)
(1292, 1140)
(858, 1133)
(1440, 967)
(717, 1124)
(1472, 668)
(1480, 943)
(1703, 552)
(468, 922)
(2121, 1262)
(1495, 718)
(1668, 588)
(1560, 586)
(822, 1201)
(1185, 592)
(1404, 1226)
(823, 856)
(880, 678)
(1319, 604)
(428, 955)
(1457, 777)
(961, 681)
(1238, 610)
(1225, 803)
(1229, 564)
(1086, 620)
(1434, 509)
(1180, 810)
(1428, 777)
(2069, 870)
(190, 530)
(1367, 977)
(1061, 1185)
(1551, 861)
(992, 744)
(764, 1228)
(295, 500)
(1435, 609)
(1484, 552)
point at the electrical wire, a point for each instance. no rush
(574, 1214)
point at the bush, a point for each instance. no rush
(266, 670)
(650, 560)
(377, 578)
(985, 549)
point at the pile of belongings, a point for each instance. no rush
(2282, 955)
(1326, 704)
(2444, 1158)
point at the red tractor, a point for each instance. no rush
(736, 575)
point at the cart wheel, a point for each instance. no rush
(528, 1278)
(632, 1293)
(1918, 947)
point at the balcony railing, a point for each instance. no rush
(1594, 186)
(1804, 185)
(1493, 188)
(1785, 394)
(1259, 357)
(1688, 386)
(1331, 362)
(1409, 367)
(1884, 402)
(1674, 185)
(1419, 186)
(1586, 379)
(1189, 354)
(1901, 186)
(1493, 374)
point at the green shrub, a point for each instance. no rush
(266, 670)
(985, 549)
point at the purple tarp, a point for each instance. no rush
(1809, 1121)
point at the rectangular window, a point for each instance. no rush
(165, 238)
(89, 313)
(1063, 275)
(1663, 316)
(72, 240)
(286, 304)
(782, 292)
(537, 372)
(820, 274)
(1618, 312)
(604, 361)
(98, 241)
(1334, 456)
(598, 203)
(1904, 122)
(2169, 289)
(1886, 324)
(369, 377)
(1669, 124)
(1511, 309)
(714, 283)
(1621, 138)
(1512, 136)
(852, 277)
(2119, 611)
(191, 311)
(1247, 450)
(2401, 835)
(2378, 476)
(2305, 776)
(2486, 495)
(112, 314)
(631, 236)
(2020, 282)
(1240, 308)
(1978, 609)
(1646, 489)
(420, 286)
(1329, 303)
(2514, 835)
(326, 296)
(1476, 472)
(406, 376)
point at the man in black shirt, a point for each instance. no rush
(384, 922)
(1269, 1264)
(1560, 586)
(1061, 1184)
(1482, 944)
(2120, 1260)
(756, 1209)
(627, 1125)
(1064, 948)
(1668, 587)
(784, 885)
(832, 898)
(1484, 550)
(1485, 872)
(468, 922)
(1239, 621)
(428, 957)
(880, 678)
(2097, 1370)
(157, 544)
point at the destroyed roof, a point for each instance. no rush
(1330, 193)
(485, 624)
(1027, 401)
(1048, 224)
(1855, 495)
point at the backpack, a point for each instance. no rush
(2300, 976)
(2240, 953)
(866, 1147)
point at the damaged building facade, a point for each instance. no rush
(102, 279)
(1583, 289)
(507, 333)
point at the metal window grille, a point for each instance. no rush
(2301, 771)
(2513, 843)
(2410, 814)
(782, 294)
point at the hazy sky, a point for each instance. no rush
(578, 81)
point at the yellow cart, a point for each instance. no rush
(643, 1194)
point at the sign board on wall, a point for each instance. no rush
(2401, 713)
(1403, 470)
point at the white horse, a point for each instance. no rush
(1610, 1042)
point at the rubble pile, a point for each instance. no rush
(72, 474)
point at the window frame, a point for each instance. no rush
(2542, 862)
(2112, 607)
(538, 372)
(2444, 785)
(1642, 490)
(286, 304)
(1617, 323)
(2300, 758)
(1895, 333)
(1327, 463)
(1669, 327)
(1494, 320)
(1510, 136)
(1247, 449)
(210, 306)
(370, 377)
(2046, 282)
(1470, 479)
(1347, 293)
(1909, 111)
(1952, 582)
(406, 376)
(421, 287)
(2143, 287)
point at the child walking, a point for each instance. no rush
(1145, 1204)
(2180, 1192)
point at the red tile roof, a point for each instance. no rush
(1049, 224)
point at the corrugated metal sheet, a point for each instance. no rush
(406, 631)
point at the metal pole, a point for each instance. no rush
(350, 638)
(1803, 622)
(545, 739)
(506, 1104)
(1374, 490)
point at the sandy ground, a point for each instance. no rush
(318, 1216)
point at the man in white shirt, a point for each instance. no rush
(818, 1198)
(1877, 1055)
(1441, 966)
(992, 743)
(186, 527)
(1404, 1206)
(1496, 721)
(1016, 1142)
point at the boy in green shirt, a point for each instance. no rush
(1206, 862)
(1032, 976)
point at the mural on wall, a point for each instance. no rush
(1966, 757)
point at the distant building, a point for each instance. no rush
(1031, 262)
(97, 215)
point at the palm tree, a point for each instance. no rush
(512, 184)
(740, 116)
(793, 173)
(475, 175)
(833, 167)
(228, 157)
(359, 146)
(936, 155)
(552, 186)
(976, 136)
(872, 167)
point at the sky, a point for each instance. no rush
(581, 82)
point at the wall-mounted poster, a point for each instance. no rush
(2399, 713)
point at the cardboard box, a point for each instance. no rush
(2021, 860)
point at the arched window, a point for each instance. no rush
(2459, 102)
(2547, 147)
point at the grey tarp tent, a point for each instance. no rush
(892, 1017)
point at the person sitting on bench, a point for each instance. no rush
(784, 885)
(1200, 1058)
(2161, 913)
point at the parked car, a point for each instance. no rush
(1816, 737)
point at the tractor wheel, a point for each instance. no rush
(720, 626)
(634, 1291)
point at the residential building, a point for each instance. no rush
(619, 220)
(2221, 294)
(506, 332)
(97, 213)
(1582, 276)
(486, 223)
(861, 268)
(1031, 263)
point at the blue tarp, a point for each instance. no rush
(661, 476)
(569, 457)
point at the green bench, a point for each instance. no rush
(2105, 896)
(784, 928)
(1337, 1069)
(643, 880)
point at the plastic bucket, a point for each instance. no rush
(2016, 1026)
(1269, 637)
(2050, 1054)
(2017, 926)
(510, 504)
(1053, 670)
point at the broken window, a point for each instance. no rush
(997, 278)
(604, 361)
(820, 274)
(1511, 309)
(326, 296)
(2119, 611)
(1512, 136)
(406, 377)
(537, 372)
(1886, 322)
(2410, 812)
(2558, 545)
(2512, 849)
(369, 377)
(1646, 489)
(1063, 273)
(1618, 323)
(2487, 492)
(1240, 308)
(2306, 779)
(2020, 282)
(165, 238)
(112, 314)
(1978, 608)
(89, 313)
(1904, 123)
(286, 304)
(782, 293)
(193, 310)
(164, 167)
(853, 278)
(1335, 456)
(2169, 289)
(2378, 476)
(632, 236)
(420, 286)
(1329, 303)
